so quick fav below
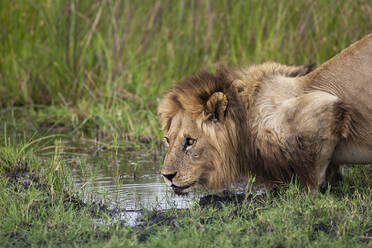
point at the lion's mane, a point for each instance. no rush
(239, 151)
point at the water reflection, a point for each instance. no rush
(147, 191)
(126, 180)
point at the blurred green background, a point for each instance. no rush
(109, 61)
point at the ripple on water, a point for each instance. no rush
(149, 192)
(125, 182)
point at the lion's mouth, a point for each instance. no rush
(180, 190)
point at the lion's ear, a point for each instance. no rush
(216, 106)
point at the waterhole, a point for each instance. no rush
(126, 181)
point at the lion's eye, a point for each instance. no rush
(187, 143)
(190, 141)
(166, 140)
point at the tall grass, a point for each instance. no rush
(66, 52)
(103, 64)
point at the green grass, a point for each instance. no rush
(39, 208)
(107, 62)
(37, 205)
(96, 69)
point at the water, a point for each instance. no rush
(126, 180)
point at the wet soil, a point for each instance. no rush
(21, 175)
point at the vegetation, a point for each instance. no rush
(39, 208)
(106, 63)
(95, 70)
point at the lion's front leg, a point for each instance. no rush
(325, 171)
(334, 174)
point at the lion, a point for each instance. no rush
(271, 121)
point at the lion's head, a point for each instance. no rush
(207, 129)
(198, 116)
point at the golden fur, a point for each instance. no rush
(270, 120)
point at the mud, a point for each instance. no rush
(21, 175)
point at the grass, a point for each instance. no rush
(94, 70)
(107, 62)
(38, 208)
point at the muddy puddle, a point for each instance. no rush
(127, 182)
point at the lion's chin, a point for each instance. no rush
(183, 190)
(180, 192)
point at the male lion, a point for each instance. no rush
(270, 120)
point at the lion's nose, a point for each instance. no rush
(169, 176)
